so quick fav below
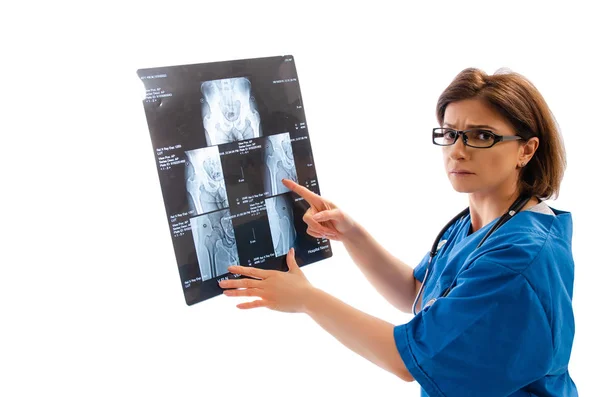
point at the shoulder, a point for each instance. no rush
(529, 237)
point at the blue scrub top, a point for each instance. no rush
(506, 328)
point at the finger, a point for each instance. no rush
(242, 292)
(313, 199)
(326, 218)
(315, 226)
(327, 215)
(320, 229)
(243, 283)
(253, 304)
(324, 227)
(249, 271)
(314, 234)
(291, 261)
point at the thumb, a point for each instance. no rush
(291, 261)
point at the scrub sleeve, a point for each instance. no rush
(489, 337)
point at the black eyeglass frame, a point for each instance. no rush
(497, 138)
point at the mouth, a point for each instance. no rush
(461, 172)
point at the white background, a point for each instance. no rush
(91, 302)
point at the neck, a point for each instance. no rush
(484, 208)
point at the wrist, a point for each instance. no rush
(354, 235)
(312, 299)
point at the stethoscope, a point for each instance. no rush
(514, 208)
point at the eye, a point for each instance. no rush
(450, 134)
(484, 135)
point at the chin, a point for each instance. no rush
(464, 190)
(463, 187)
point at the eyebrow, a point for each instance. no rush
(473, 126)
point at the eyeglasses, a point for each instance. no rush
(477, 138)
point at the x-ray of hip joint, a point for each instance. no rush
(279, 163)
(215, 243)
(281, 223)
(224, 135)
(205, 184)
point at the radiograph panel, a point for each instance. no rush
(204, 181)
(233, 125)
(215, 243)
(279, 163)
(229, 112)
(281, 223)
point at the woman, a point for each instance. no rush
(497, 318)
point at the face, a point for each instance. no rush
(474, 170)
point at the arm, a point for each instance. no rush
(364, 334)
(391, 277)
(291, 292)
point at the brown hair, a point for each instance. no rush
(522, 105)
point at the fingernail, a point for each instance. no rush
(318, 217)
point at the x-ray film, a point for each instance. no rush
(224, 135)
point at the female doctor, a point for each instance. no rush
(492, 300)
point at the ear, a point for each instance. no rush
(528, 150)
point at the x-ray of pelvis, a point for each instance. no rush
(281, 223)
(228, 111)
(215, 243)
(279, 161)
(205, 184)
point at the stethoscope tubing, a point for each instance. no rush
(514, 209)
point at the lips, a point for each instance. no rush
(462, 172)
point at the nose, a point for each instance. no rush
(458, 150)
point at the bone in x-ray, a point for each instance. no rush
(204, 181)
(279, 160)
(229, 113)
(281, 222)
(215, 243)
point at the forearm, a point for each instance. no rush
(362, 333)
(391, 277)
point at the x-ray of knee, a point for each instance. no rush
(224, 135)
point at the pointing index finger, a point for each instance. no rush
(313, 199)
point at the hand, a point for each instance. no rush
(281, 291)
(324, 219)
